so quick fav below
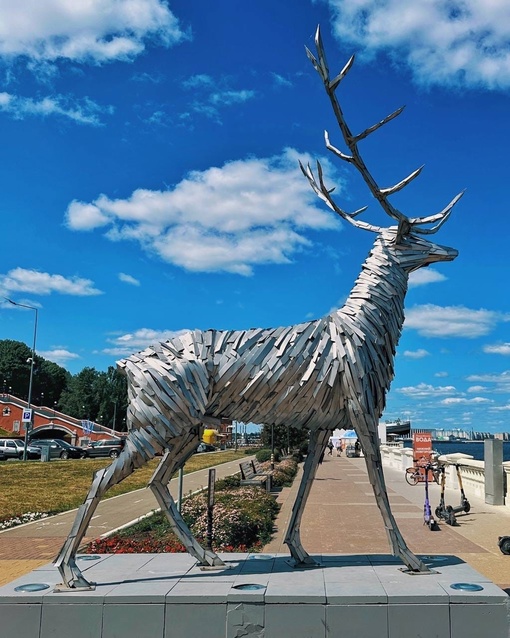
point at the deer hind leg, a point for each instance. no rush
(131, 457)
(316, 447)
(367, 432)
(182, 449)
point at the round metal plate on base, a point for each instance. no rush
(31, 587)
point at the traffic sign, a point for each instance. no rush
(27, 416)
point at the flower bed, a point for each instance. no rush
(21, 520)
(242, 521)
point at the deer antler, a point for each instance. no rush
(381, 194)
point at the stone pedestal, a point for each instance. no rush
(263, 596)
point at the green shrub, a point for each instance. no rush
(303, 448)
(284, 472)
(228, 483)
(265, 455)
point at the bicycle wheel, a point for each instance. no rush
(412, 476)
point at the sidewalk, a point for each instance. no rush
(26, 547)
(341, 516)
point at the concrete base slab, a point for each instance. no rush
(262, 596)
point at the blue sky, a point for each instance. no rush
(150, 182)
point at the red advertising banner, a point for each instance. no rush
(422, 449)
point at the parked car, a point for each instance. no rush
(60, 449)
(205, 447)
(105, 447)
(14, 448)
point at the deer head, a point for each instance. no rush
(404, 241)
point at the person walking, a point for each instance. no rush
(339, 448)
(330, 448)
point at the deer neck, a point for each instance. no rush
(376, 303)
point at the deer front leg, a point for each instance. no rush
(316, 447)
(173, 460)
(367, 432)
(72, 578)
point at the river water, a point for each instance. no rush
(473, 448)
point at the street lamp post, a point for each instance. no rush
(28, 426)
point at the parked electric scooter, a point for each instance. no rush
(464, 503)
(428, 519)
(443, 511)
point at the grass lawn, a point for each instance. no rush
(32, 486)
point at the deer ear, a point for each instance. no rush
(404, 228)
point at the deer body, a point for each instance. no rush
(329, 373)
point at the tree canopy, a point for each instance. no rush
(90, 394)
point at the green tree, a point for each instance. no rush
(284, 436)
(114, 400)
(15, 367)
(81, 397)
(49, 379)
(97, 396)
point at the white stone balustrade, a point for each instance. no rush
(472, 472)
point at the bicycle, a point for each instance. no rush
(416, 474)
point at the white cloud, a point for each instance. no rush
(280, 81)
(231, 218)
(425, 276)
(423, 390)
(199, 81)
(42, 283)
(58, 355)
(441, 374)
(227, 98)
(501, 381)
(477, 388)
(213, 94)
(84, 111)
(131, 342)
(452, 321)
(501, 348)
(95, 31)
(463, 401)
(460, 42)
(416, 354)
(210, 108)
(128, 279)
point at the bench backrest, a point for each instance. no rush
(247, 471)
(257, 467)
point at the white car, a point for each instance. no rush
(14, 448)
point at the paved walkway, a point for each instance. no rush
(341, 517)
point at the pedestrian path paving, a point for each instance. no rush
(341, 516)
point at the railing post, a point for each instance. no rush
(494, 479)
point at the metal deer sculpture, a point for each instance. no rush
(325, 374)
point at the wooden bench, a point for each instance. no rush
(259, 470)
(250, 477)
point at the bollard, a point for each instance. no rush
(210, 509)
